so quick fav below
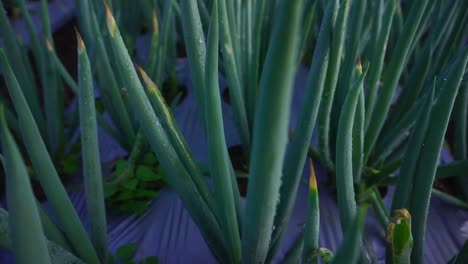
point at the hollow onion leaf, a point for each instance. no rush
(58, 255)
(90, 155)
(395, 68)
(229, 47)
(196, 50)
(337, 45)
(151, 127)
(381, 35)
(349, 250)
(27, 235)
(220, 165)
(297, 152)
(312, 229)
(415, 146)
(271, 133)
(14, 56)
(433, 140)
(344, 156)
(46, 172)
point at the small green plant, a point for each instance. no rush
(125, 253)
(131, 188)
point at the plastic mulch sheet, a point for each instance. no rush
(167, 231)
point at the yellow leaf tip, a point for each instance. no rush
(110, 19)
(359, 65)
(150, 85)
(49, 44)
(312, 178)
(155, 22)
(79, 39)
(398, 8)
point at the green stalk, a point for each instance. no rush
(155, 42)
(44, 11)
(312, 229)
(324, 116)
(393, 136)
(310, 18)
(456, 168)
(176, 138)
(28, 87)
(230, 63)
(164, 43)
(58, 254)
(395, 68)
(27, 236)
(247, 28)
(204, 12)
(196, 50)
(350, 249)
(271, 133)
(293, 256)
(36, 46)
(417, 75)
(45, 171)
(344, 156)
(61, 68)
(253, 67)
(381, 33)
(109, 87)
(296, 156)
(233, 17)
(178, 177)
(51, 229)
(74, 87)
(10, 116)
(451, 41)
(353, 44)
(53, 105)
(84, 18)
(424, 178)
(90, 151)
(413, 86)
(411, 159)
(379, 208)
(5, 240)
(52, 89)
(218, 153)
(449, 198)
(358, 132)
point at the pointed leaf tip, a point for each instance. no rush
(49, 44)
(155, 22)
(150, 85)
(359, 65)
(110, 19)
(79, 40)
(312, 178)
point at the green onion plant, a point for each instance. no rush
(383, 125)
